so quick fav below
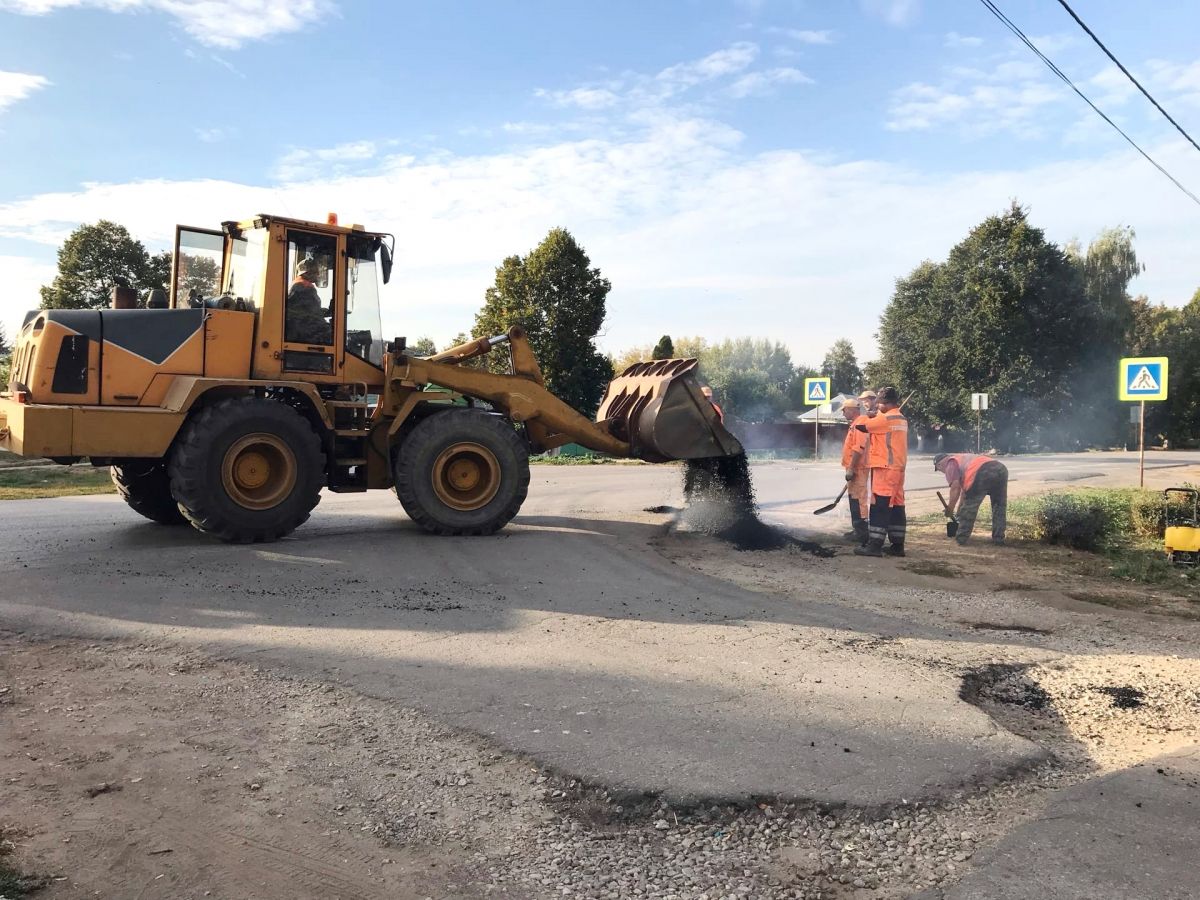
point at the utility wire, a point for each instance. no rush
(1128, 74)
(995, 10)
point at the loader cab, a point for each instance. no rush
(313, 289)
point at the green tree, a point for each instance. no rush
(5, 359)
(1004, 315)
(664, 349)
(751, 377)
(158, 271)
(626, 358)
(1173, 332)
(841, 366)
(425, 347)
(93, 260)
(1106, 269)
(559, 299)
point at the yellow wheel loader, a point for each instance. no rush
(261, 377)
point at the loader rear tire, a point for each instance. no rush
(247, 470)
(146, 487)
(462, 472)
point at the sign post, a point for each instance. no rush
(979, 402)
(1142, 378)
(816, 393)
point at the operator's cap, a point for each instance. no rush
(937, 458)
(889, 395)
(851, 402)
(706, 391)
(868, 394)
(306, 266)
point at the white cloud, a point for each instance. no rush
(894, 12)
(16, 86)
(733, 59)
(1182, 80)
(804, 36)
(697, 235)
(213, 135)
(1012, 96)
(755, 83)
(300, 163)
(219, 23)
(954, 39)
(583, 98)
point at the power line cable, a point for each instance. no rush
(1008, 23)
(1128, 74)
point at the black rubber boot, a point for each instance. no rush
(870, 548)
(895, 550)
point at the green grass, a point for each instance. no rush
(1122, 526)
(36, 482)
(583, 460)
(13, 883)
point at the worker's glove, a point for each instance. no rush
(849, 474)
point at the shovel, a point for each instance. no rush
(837, 500)
(952, 523)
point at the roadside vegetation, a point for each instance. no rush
(13, 883)
(1122, 526)
(22, 479)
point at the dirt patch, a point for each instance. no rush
(1124, 697)
(1018, 629)
(933, 568)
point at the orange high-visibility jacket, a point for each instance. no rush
(887, 447)
(855, 441)
(969, 465)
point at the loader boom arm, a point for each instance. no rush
(521, 396)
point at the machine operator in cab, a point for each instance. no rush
(307, 318)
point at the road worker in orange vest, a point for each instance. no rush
(973, 476)
(887, 457)
(854, 461)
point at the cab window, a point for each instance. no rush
(364, 334)
(198, 258)
(307, 319)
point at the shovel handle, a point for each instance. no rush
(837, 500)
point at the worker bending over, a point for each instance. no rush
(972, 477)
(887, 455)
(854, 461)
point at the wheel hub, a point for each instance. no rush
(258, 471)
(466, 476)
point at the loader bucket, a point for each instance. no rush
(658, 408)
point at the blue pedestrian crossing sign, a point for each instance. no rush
(816, 391)
(1143, 378)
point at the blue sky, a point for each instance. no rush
(746, 167)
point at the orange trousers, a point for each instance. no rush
(888, 483)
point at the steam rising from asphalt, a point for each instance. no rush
(720, 502)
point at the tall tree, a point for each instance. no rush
(556, 295)
(1173, 332)
(841, 367)
(93, 260)
(158, 271)
(1003, 315)
(425, 347)
(5, 359)
(751, 377)
(1104, 325)
(664, 349)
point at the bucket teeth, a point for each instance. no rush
(658, 408)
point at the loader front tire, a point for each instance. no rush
(462, 472)
(145, 485)
(247, 469)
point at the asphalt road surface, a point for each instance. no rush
(566, 637)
